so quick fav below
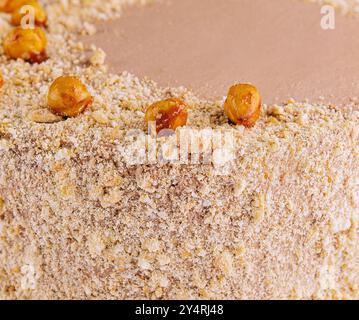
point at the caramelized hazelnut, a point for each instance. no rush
(167, 114)
(3, 4)
(68, 97)
(2, 204)
(39, 12)
(26, 44)
(1, 80)
(243, 105)
(9, 6)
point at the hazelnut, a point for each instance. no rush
(1, 80)
(167, 114)
(243, 105)
(68, 97)
(39, 12)
(9, 6)
(26, 44)
(3, 4)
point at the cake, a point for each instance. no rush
(89, 211)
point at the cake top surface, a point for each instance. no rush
(288, 49)
(119, 99)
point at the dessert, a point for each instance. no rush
(85, 212)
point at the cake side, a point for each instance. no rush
(78, 221)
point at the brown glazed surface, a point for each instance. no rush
(208, 45)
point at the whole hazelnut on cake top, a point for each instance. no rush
(167, 114)
(243, 105)
(68, 96)
(26, 44)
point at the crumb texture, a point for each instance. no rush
(78, 221)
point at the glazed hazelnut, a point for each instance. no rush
(3, 4)
(9, 6)
(68, 97)
(1, 80)
(39, 12)
(243, 105)
(26, 44)
(167, 114)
